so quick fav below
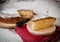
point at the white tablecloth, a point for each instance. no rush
(9, 35)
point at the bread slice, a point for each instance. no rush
(26, 13)
(42, 23)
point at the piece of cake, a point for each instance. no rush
(43, 23)
(26, 13)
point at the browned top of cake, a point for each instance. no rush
(10, 20)
(44, 18)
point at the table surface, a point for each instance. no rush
(9, 35)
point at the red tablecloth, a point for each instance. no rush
(27, 37)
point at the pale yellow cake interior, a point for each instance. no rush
(42, 23)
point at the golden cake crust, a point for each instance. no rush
(11, 20)
(43, 19)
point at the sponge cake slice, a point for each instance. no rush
(42, 23)
(26, 13)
